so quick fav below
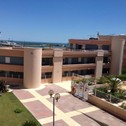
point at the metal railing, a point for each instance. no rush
(107, 97)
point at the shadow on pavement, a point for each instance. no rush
(100, 123)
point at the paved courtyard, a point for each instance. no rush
(69, 110)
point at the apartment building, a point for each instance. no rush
(31, 67)
(116, 38)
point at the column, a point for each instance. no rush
(57, 65)
(99, 64)
(32, 67)
(117, 49)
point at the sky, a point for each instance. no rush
(60, 20)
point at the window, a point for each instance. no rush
(79, 72)
(78, 46)
(74, 72)
(86, 60)
(91, 60)
(91, 47)
(79, 60)
(16, 60)
(67, 73)
(11, 74)
(106, 60)
(65, 61)
(47, 61)
(46, 75)
(2, 59)
(7, 59)
(11, 60)
(105, 70)
(106, 47)
(74, 60)
(85, 72)
(89, 72)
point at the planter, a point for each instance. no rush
(115, 110)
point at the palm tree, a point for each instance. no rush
(113, 84)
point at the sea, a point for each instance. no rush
(38, 44)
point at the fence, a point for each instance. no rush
(92, 89)
(107, 97)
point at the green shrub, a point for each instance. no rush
(102, 80)
(103, 89)
(18, 110)
(122, 77)
(77, 81)
(30, 123)
(2, 86)
(100, 94)
(91, 81)
(120, 94)
(123, 71)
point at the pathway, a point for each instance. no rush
(69, 110)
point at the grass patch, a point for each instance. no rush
(8, 104)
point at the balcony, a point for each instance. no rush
(12, 81)
(11, 52)
(47, 53)
(80, 53)
(47, 68)
(7, 67)
(78, 67)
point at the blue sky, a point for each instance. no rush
(60, 20)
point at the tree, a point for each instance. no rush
(113, 84)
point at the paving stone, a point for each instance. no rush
(67, 109)
(38, 109)
(22, 94)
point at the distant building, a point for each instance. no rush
(33, 66)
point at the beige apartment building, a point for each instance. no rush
(117, 38)
(31, 67)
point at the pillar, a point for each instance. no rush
(32, 67)
(117, 48)
(57, 65)
(99, 64)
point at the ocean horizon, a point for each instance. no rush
(38, 44)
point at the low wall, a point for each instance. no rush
(117, 111)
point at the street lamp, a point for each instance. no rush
(55, 97)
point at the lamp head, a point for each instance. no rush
(51, 92)
(57, 96)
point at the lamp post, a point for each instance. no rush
(55, 97)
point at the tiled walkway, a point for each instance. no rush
(69, 111)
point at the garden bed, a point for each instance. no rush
(103, 104)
